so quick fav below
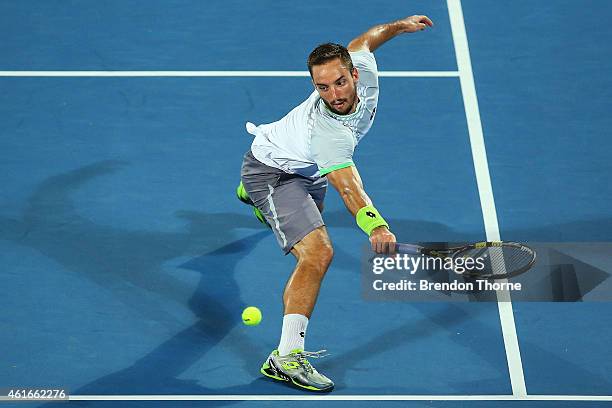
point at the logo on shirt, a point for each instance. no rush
(373, 113)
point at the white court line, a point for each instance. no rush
(328, 397)
(190, 74)
(485, 190)
(340, 397)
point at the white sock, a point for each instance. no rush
(293, 334)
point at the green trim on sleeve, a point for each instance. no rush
(327, 170)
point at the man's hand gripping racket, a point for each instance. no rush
(383, 241)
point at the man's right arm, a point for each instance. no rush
(348, 183)
(380, 34)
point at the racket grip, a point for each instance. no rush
(408, 249)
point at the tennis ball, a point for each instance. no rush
(251, 316)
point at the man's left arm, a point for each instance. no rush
(380, 34)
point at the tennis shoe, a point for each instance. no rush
(297, 371)
(244, 197)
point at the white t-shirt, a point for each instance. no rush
(313, 141)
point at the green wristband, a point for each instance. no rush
(369, 218)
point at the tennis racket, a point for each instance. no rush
(499, 260)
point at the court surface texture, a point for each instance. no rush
(126, 259)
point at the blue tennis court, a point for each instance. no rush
(127, 260)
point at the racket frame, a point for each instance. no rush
(454, 252)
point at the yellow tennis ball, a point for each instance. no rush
(251, 316)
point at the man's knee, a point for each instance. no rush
(315, 249)
(323, 253)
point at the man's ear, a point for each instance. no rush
(355, 74)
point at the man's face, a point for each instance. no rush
(336, 85)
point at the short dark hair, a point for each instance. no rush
(328, 52)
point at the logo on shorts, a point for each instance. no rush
(302, 334)
(370, 214)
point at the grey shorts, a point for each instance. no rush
(288, 201)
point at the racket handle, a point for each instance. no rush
(408, 249)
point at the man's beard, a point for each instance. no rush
(346, 110)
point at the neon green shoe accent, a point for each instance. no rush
(265, 369)
(259, 215)
(243, 195)
(290, 365)
(270, 375)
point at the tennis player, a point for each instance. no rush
(284, 177)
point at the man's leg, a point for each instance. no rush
(296, 221)
(313, 254)
(289, 362)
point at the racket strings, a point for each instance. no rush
(503, 260)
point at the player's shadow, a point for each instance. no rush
(131, 265)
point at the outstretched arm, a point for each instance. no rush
(380, 34)
(349, 185)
